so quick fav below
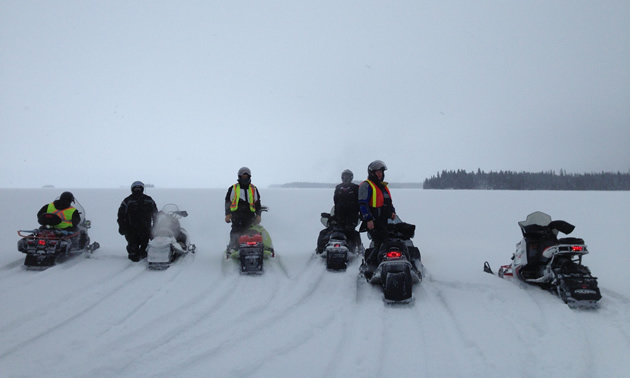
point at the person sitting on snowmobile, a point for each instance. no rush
(136, 216)
(70, 217)
(346, 214)
(375, 204)
(242, 206)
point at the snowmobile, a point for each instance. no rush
(254, 246)
(46, 246)
(399, 263)
(338, 250)
(170, 240)
(552, 263)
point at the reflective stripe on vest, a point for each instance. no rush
(236, 195)
(65, 215)
(377, 195)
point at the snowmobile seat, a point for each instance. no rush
(402, 230)
(337, 235)
(49, 219)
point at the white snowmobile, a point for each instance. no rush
(399, 263)
(170, 240)
(554, 264)
(47, 246)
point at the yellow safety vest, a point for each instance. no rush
(378, 199)
(236, 195)
(64, 214)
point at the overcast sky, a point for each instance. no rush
(183, 93)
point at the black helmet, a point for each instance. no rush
(67, 197)
(137, 186)
(347, 173)
(376, 165)
(244, 170)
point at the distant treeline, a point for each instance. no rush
(507, 180)
(302, 185)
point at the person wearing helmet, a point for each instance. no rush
(346, 212)
(376, 207)
(242, 206)
(62, 207)
(136, 216)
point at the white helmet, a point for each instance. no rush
(376, 165)
(244, 170)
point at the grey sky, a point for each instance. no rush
(183, 93)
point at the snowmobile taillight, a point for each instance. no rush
(251, 243)
(41, 242)
(577, 248)
(250, 239)
(394, 255)
(337, 245)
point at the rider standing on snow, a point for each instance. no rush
(136, 216)
(375, 204)
(70, 217)
(242, 206)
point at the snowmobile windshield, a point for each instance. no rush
(166, 222)
(81, 211)
(170, 208)
(538, 217)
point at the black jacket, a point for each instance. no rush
(346, 200)
(136, 214)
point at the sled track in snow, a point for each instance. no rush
(48, 320)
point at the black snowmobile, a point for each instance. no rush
(554, 264)
(399, 263)
(47, 246)
(337, 250)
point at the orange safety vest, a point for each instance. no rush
(64, 214)
(377, 199)
(236, 194)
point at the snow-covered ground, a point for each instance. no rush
(106, 316)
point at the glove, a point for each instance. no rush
(257, 220)
(228, 218)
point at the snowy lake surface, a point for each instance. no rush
(106, 316)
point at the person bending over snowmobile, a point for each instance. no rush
(346, 211)
(70, 217)
(242, 206)
(375, 204)
(136, 216)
